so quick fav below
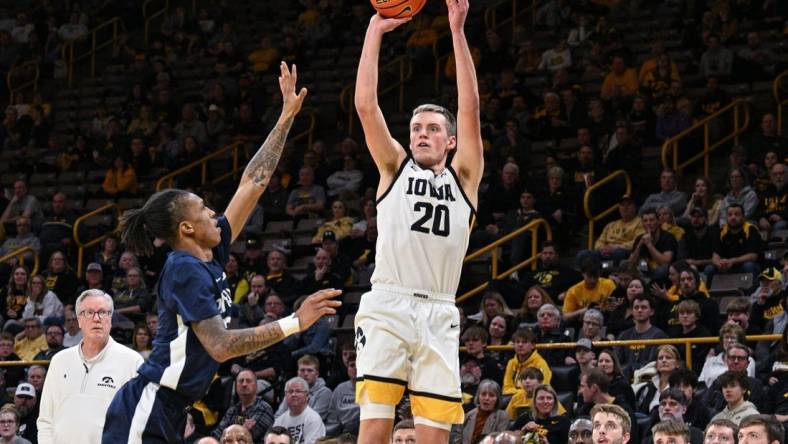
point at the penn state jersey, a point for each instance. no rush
(189, 290)
(424, 222)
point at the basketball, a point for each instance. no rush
(398, 8)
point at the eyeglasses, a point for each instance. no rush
(89, 314)
(7, 421)
(294, 392)
(737, 358)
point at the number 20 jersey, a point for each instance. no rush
(424, 221)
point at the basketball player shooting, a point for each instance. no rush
(407, 326)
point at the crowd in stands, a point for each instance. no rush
(579, 86)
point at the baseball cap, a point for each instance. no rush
(699, 211)
(94, 266)
(627, 198)
(329, 236)
(252, 243)
(25, 389)
(771, 274)
(584, 343)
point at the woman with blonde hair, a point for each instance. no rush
(703, 197)
(547, 417)
(652, 379)
(492, 304)
(535, 297)
(42, 302)
(14, 296)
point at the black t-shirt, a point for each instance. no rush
(554, 279)
(763, 313)
(731, 244)
(665, 242)
(699, 247)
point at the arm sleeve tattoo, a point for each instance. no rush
(264, 161)
(220, 342)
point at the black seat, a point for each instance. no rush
(565, 378)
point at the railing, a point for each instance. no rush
(593, 219)
(401, 65)
(68, 50)
(533, 227)
(686, 342)
(739, 109)
(83, 245)
(510, 11)
(168, 180)
(154, 15)
(779, 91)
(19, 253)
(28, 72)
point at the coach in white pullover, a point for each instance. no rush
(82, 380)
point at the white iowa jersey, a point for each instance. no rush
(424, 222)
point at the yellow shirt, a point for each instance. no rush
(27, 349)
(578, 296)
(620, 234)
(628, 82)
(520, 402)
(514, 367)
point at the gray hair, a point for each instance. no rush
(596, 314)
(488, 385)
(94, 292)
(297, 380)
(33, 367)
(451, 121)
(551, 308)
(555, 171)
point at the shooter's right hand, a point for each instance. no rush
(385, 25)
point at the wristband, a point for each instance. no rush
(289, 325)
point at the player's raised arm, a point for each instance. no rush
(258, 172)
(469, 159)
(386, 152)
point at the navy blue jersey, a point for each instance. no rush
(190, 290)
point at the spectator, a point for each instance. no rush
(190, 125)
(61, 279)
(768, 299)
(274, 200)
(303, 423)
(593, 324)
(31, 340)
(594, 390)
(621, 82)
(655, 249)
(738, 312)
(734, 386)
(557, 57)
(251, 309)
(345, 412)
(121, 179)
(689, 316)
(667, 222)
(607, 361)
(250, 412)
(94, 277)
(141, 342)
(277, 435)
(737, 357)
(639, 356)
(549, 331)
(308, 199)
(760, 61)
(546, 418)
(345, 183)
(672, 410)
(697, 245)
(319, 396)
(14, 298)
(739, 193)
(503, 194)
(669, 195)
(580, 432)
(525, 356)
(696, 414)
(108, 366)
(475, 340)
(22, 204)
(25, 402)
(238, 284)
(720, 431)
(339, 223)
(584, 355)
(493, 419)
(493, 304)
(523, 399)
(24, 238)
(278, 278)
(716, 364)
(555, 202)
(690, 289)
(236, 434)
(57, 230)
(72, 30)
(9, 425)
(73, 334)
(535, 298)
(756, 429)
(647, 392)
(774, 201)
(592, 290)
(674, 432)
(767, 139)
(54, 337)
(42, 302)
(717, 60)
(314, 341)
(617, 238)
(738, 247)
(550, 274)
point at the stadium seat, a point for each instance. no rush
(564, 377)
(730, 284)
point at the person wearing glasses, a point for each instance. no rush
(9, 424)
(304, 424)
(73, 406)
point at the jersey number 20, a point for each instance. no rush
(439, 215)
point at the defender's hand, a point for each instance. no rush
(291, 102)
(458, 11)
(316, 306)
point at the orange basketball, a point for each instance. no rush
(398, 8)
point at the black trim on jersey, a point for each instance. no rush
(394, 179)
(434, 396)
(459, 185)
(382, 379)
